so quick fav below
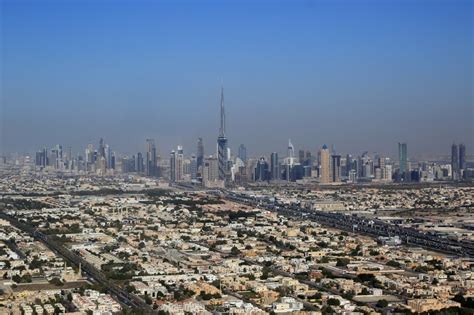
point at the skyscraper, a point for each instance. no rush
(179, 166)
(173, 166)
(462, 156)
(242, 153)
(200, 154)
(301, 156)
(222, 143)
(261, 171)
(210, 173)
(454, 162)
(403, 160)
(325, 169)
(336, 168)
(150, 165)
(291, 152)
(193, 167)
(274, 166)
(139, 163)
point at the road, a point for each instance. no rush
(358, 224)
(125, 298)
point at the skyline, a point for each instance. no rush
(155, 72)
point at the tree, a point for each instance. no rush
(342, 262)
(148, 300)
(333, 302)
(56, 281)
(393, 263)
(382, 303)
(235, 251)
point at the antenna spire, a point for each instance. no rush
(222, 128)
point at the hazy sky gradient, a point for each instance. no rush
(361, 75)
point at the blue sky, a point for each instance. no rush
(361, 75)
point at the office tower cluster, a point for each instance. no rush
(99, 161)
(222, 168)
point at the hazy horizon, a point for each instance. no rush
(361, 75)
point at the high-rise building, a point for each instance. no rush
(101, 148)
(274, 166)
(173, 166)
(193, 167)
(150, 164)
(89, 156)
(308, 158)
(462, 156)
(179, 167)
(291, 153)
(242, 153)
(200, 154)
(210, 174)
(403, 160)
(261, 171)
(325, 169)
(301, 156)
(336, 168)
(454, 162)
(222, 142)
(139, 163)
(349, 164)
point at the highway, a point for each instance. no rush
(358, 224)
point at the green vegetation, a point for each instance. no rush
(56, 281)
(119, 271)
(343, 262)
(393, 263)
(207, 296)
(26, 278)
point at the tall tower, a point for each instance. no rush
(150, 166)
(200, 154)
(275, 167)
(173, 166)
(325, 172)
(243, 153)
(179, 164)
(454, 162)
(403, 159)
(335, 168)
(222, 143)
(462, 156)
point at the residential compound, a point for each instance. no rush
(118, 244)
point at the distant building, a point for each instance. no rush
(403, 160)
(222, 143)
(150, 165)
(200, 153)
(462, 156)
(325, 169)
(242, 154)
(336, 168)
(173, 166)
(274, 166)
(261, 171)
(454, 162)
(179, 167)
(193, 167)
(139, 163)
(301, 156)
(210, 174)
